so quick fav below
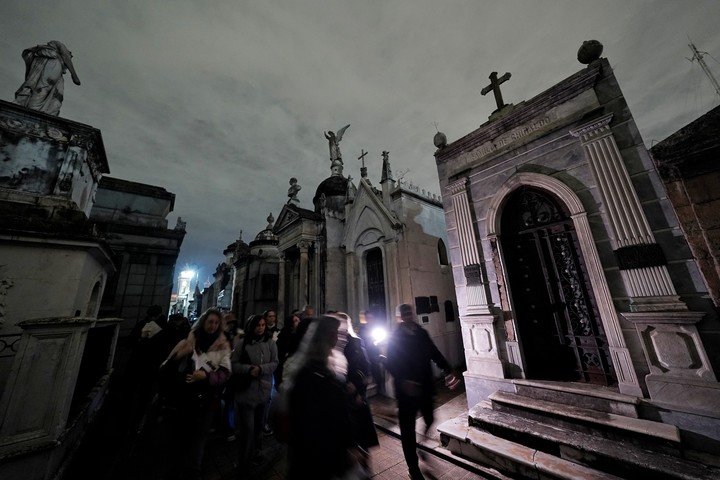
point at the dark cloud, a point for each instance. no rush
(221, 102)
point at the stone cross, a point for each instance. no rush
(363, 169)
(495, 87)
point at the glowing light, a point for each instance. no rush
(187, 274)
(378, 334)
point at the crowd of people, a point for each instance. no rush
(305, 383)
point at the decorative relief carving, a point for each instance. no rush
(9, 345)
(596, 129)
(480, 339)
(5, 285)
(29, 127)
(675, 350)
(457, 186)
(642, 255)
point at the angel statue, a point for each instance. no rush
(43, 87)
(334, 140)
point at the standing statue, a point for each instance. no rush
(334, 140)
(44, 68)
(293, 191)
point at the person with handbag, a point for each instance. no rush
(253, 364)
(196, 371)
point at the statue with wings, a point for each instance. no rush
(334, 140)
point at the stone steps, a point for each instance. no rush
(509, 457)
(620, 458)
(643, 433)
(580, 395)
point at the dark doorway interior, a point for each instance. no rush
(559, 328)
(375, 282)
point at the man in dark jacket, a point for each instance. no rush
(410, 351)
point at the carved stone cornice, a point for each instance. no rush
(593, 130)
(457, 186)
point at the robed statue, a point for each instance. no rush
(334, 140)
(44, 68)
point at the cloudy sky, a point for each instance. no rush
(221, 102)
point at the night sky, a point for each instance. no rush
(222, 102)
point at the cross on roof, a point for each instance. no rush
(363, 170)
(495, 87)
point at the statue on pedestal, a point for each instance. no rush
(336, 162)
(43, 87)
(293, 191)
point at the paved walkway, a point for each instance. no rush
(113, 456)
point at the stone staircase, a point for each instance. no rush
(569, 431)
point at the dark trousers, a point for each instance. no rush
(408, 408)
(250, 420)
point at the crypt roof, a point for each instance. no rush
(333, 186)
(369, 219)
(291, 214)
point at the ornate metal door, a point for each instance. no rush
(375, 283)
(559, 328)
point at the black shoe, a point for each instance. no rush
(416, 474)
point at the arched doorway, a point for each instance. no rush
(375, 274)
(558, 322)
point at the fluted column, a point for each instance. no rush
(474, 280)
(281, 287)
(641, 260)
(303, 245)
(477, 322)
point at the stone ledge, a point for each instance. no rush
(580, 389)
(511, 456)
(609, 420)
(591, 449)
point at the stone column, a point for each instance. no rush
(281, 287)
(304, 246)
(641, 260)
(680, 372)
(477, 322)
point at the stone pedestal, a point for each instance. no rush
(680, 372)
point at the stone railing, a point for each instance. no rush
(412, 188)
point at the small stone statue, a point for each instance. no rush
(43, 87)
(180, 225)
(351, 190)
(293, 191)
(589, 51)
(335, 155)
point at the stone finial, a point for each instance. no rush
(43, 87)
(589, 51)
(293, 191)
(386, 171)
(271, 220)
(180, 225)
(440, 140)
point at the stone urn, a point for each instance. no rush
(589, 51)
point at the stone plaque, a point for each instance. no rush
(473, 275)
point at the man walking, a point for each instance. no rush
(410, 351)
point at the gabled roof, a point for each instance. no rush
(358, 220)
(291, 214)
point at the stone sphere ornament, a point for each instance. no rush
(589, 51)
(440, 140)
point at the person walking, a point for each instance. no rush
(410, 351)
(253, 364)
(321, 444)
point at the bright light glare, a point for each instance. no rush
(378, 334)
(187, 274)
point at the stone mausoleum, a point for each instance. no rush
(359, 248)
(591, 343)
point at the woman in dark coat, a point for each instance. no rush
(321, 442)
(205, 353)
